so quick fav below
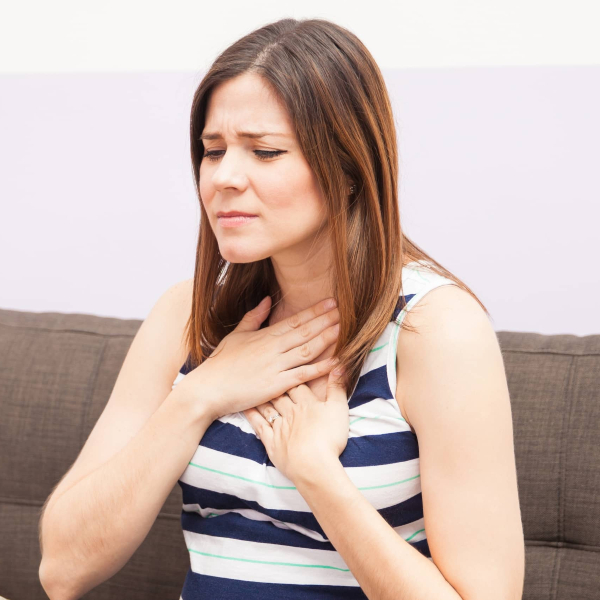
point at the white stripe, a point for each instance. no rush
(179, 377)
(292, 564)
(246, 479)
(300, 566)
(377, 359)
(376, 417)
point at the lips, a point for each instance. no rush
(234, 213)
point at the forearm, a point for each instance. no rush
(92, 530)
(385, 565)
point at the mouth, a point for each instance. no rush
(234, 219)
(234, 213)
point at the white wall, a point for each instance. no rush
(498, 129)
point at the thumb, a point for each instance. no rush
(252, 320)
(336, 384)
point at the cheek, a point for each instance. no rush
(206, 191)
(294, 215)
(294, 197)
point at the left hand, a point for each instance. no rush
(308, 431)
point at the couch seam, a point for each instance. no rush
(81, 331)
(561, 482)
(26, 502)
(551, 352)
(566, 545)
(566, 437)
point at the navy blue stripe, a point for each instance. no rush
(371, 385)
(422, 547)
(403, 513)
(187, 366)
(230, 439)
(360, 451)
(237, 527)
(206, 587)
(402, 302)
(380, 449)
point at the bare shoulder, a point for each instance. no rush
(445, 319)
(180, 293)
(179, 306)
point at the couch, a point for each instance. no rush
(57, 372)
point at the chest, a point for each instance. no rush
(231, 467)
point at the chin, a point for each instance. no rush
(233, 253)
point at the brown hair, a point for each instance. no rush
(336, 97)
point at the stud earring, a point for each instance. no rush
(352, 189)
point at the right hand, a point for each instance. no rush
(251, 366)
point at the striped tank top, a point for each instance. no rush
(249, 532)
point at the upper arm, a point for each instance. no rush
(144, 381)
(453, 387)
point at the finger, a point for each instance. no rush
(305, 332)
(295, 322)
(310, 349)
(267, 410)
(252, 320)
(283, 404)
(293, 377)
(262, 429)
(301, 393)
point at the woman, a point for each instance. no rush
(318, 492)
(395, 479)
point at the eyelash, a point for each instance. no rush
(261, 154)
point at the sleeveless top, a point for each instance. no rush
(249, 532)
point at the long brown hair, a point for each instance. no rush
(336, 97)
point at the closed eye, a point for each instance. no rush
(261, 154)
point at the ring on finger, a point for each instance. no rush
(273, 418)
(273, 414)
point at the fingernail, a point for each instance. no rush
(331, 303)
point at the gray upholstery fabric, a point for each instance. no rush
(57, 372)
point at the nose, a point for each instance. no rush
(228, 172)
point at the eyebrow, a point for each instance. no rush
(247, 134)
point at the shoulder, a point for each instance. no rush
(179, 293)
(453, 343)
(170, 315)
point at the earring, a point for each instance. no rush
(352, 189)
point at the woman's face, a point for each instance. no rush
(265, 176)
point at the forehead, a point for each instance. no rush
(246, 103)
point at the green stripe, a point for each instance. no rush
(268, 562)
(284, 564)
(376, 487)
(279, 487)
(413, 535)
(378, 348)
(375, 418)
(285, 487)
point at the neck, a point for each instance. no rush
(303, 281)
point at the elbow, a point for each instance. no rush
(54, 585)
